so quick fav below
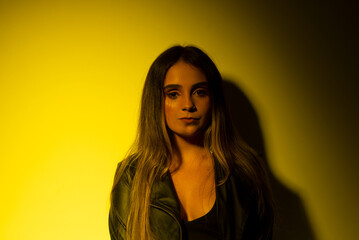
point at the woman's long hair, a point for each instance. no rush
(152, 150)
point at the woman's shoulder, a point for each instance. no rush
(120, 197)
(243, 184)
(125, 172)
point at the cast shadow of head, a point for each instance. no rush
(292, 221)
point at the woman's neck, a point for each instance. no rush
(188, 152)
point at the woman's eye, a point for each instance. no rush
(200, 92)
(172, 95)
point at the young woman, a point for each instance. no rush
(188, 174)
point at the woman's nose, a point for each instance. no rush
(189, 105)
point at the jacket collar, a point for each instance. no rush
(163, 195)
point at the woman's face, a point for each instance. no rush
(187, 102)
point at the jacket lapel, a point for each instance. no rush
(165, 209)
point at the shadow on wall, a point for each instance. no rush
(292, 220)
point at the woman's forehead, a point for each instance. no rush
(183, 73)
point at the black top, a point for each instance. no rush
(205, 227)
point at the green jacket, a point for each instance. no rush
(236, 217)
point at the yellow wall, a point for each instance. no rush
(71, 74)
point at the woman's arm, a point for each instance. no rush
(120, 203)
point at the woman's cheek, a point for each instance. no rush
(169, 109)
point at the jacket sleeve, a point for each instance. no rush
(116, 226)
(119, 210)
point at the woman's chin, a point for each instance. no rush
(190, 136)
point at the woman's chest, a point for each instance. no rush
(195, 191)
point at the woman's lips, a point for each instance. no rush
(189, 120)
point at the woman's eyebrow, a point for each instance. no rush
(200, 84)
(197, 85)
(170, 86)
